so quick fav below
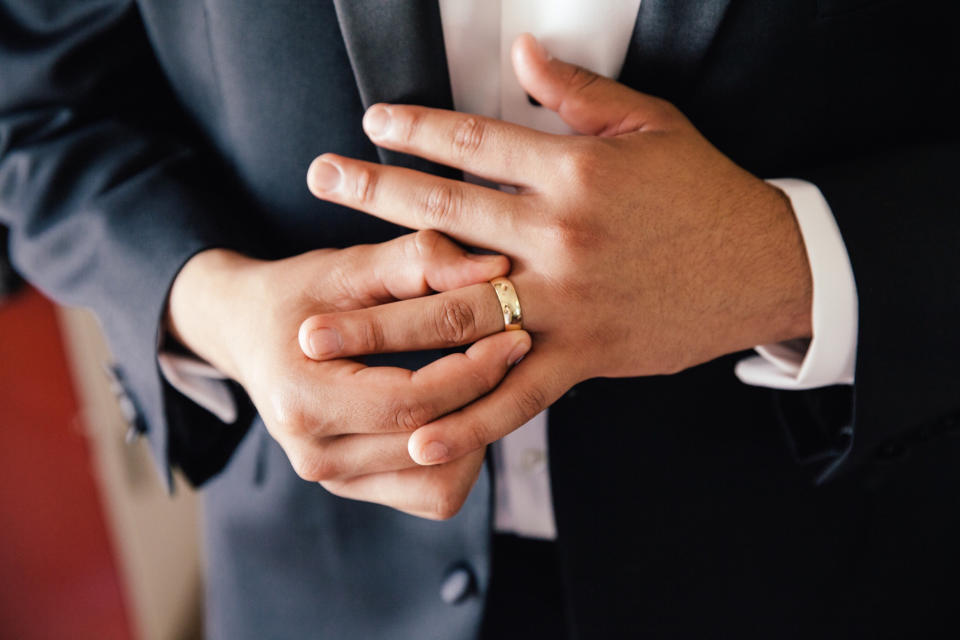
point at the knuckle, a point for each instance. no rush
(411, 414)
(441, 204)
(426, 242)
(335, 488)
(339, 291)
(339, 286)
(365, 185)
(482, 380)
(410, 123)
(477, 435)
(580, 78)
(468, 136)
(578, 166)
(446, 503)
(575, 237)
(312, 468)
(455, 322)
(371, 335)
(529, 402)
(288, 415)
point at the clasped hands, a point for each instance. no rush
(636, 248)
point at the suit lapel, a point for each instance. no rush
(670, 40)
(397, 55)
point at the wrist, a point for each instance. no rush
(772, 275)
(201, 312)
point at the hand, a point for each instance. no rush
(339, 420)
(637, 248)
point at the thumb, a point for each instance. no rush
(588, 102)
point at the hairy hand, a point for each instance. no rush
(638, 248)
(338, 421)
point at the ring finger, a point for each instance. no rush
(446, 319)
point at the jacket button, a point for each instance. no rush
(458, 585)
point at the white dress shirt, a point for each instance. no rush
(478, 35)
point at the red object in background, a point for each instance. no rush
(58, 576)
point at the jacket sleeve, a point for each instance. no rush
(899, 213)
(106, 192)
(885, 160)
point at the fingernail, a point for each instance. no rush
(517, 353)
(325, 343)
(324, 176)
(539, 50)
(434, 451)
(376, 121)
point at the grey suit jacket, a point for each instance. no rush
(135, 134)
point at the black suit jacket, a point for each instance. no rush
(134, 134)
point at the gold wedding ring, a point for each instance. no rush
(509, 304)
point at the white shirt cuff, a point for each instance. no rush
(200, 382)
(829, 358)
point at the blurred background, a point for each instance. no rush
(91, 545)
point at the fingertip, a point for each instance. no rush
(512, 346)
(323, 175)
(492, 265)
(527, 49)
(429, 453)
(523, 58)
(521, 347)
(376, 120)
(303, 337)
(531, 66)
(318, 343)
(466, 269)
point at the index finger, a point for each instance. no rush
(499, 151)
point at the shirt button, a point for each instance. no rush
(533, 460)
(458, 585)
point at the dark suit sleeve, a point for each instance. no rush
(899, 213)
(106, 195)
(885, 157)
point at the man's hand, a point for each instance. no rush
(338, 420)
(637, 249)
